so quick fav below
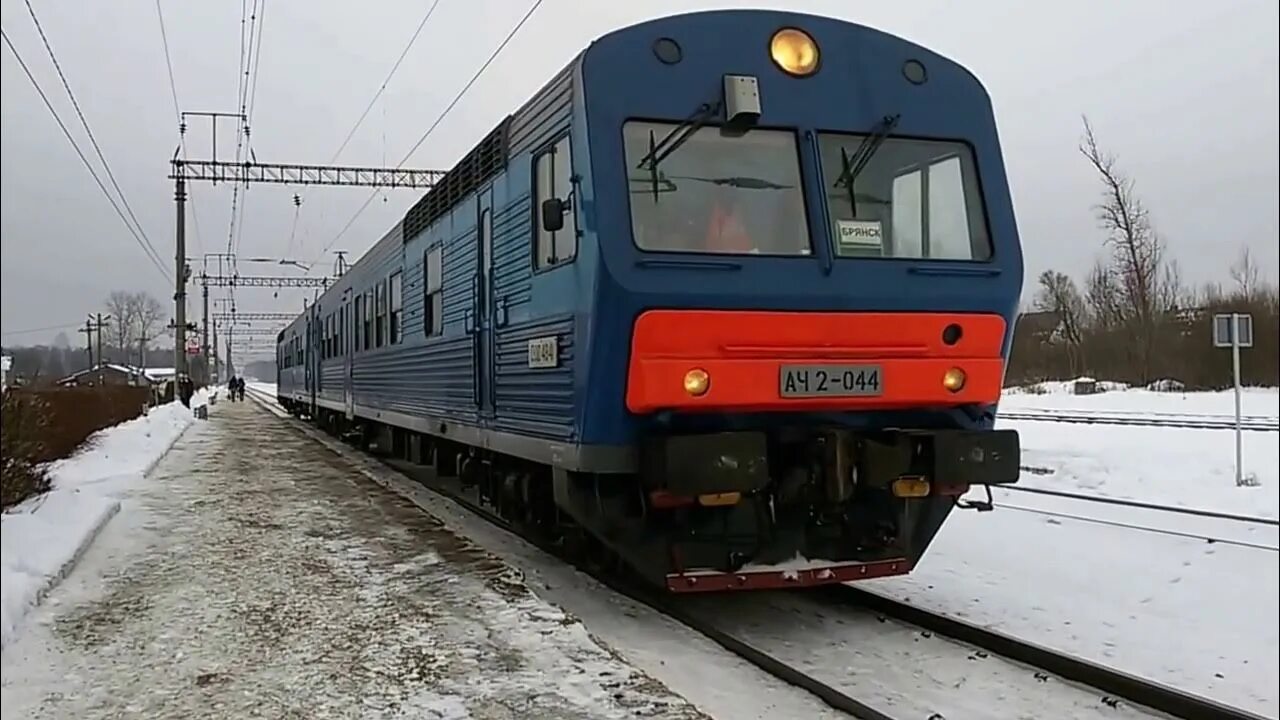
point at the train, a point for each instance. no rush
(729, 299)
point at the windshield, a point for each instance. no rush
(913, 199)
(717, 193)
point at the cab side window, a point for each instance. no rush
(555, 224)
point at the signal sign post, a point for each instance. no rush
(1234, 330)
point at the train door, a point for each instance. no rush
(306, 357)
(486, 365)
(349, 346)
(314, 332)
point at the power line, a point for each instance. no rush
(28, 331)
(173, 85)
(257, 63)
(383, 87)
(251, 89)
(439, 119)
(242, 90)
(83, 121)
(177, 113)
(146, 249)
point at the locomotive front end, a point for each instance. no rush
(810, 277)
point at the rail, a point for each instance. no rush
(1135, 689)
(1140, 421)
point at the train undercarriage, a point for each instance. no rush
(787, 507)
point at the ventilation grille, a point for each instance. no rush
(482, 163)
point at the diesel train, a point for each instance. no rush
(731, 297)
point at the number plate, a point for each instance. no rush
(544, 352)
(830, 380)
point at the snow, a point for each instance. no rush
(255, 575)
(1204, 617)
(1254, 402)
(1171, 466)
(44, 536)
(718, 683)
(1199, 616)
(890, 665)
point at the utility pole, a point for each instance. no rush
(88, 339)
(204, 336)
(217, 368)
(180, 281)
(93, 326)
(102, 320)
(142, 351)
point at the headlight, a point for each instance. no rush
(794, 51)
(953, 380)
(697, 381)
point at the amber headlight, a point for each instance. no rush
(697, 381)
(794, 51)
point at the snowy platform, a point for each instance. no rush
(254, 574)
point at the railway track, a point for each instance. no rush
(1114, 684)
(1192, 423)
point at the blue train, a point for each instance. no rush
(729, 298)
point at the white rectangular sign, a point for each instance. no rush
(544, 352)
(1222, 329)
(861, 234)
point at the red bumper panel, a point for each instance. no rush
(742, 354)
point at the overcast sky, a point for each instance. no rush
(1185, 93)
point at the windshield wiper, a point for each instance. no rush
(659, 151)
(678, 135)
(737, 181)
(852, 165)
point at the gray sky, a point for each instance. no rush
(1185, 93)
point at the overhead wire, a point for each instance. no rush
(146, 248)
(507, 40)
(177, 114)
(254, 60)
(66, 85)
(381, 88)
(28, 331)
(242, 76)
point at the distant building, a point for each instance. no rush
(6, 362)
(1042, 326)
(114, 374)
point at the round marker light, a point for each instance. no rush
(794, 51)
(953, 380)
(696, 382)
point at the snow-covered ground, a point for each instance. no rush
(1196, 615)
(43, 536)
(1200, 616)
(888, 665)
(254, 575)
(1254, 402)
(1170, 466)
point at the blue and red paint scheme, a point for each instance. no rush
(548, 367)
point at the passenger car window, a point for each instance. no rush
(395, 300)
(433, 292)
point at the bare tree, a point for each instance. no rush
(1102, 295)
(1137, 252)
(1245, 274)
(120, 306)
(1058, 294)
(147, 321)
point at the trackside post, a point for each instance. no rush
(1235, 330)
